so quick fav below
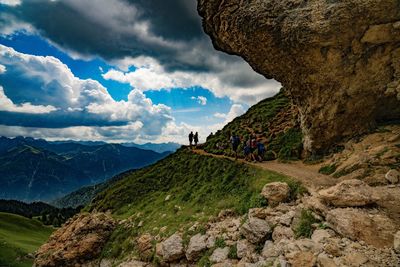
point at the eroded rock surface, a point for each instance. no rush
(80, 240)
(374, 229)
(350, 193)
(338, 60)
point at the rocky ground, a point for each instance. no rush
(338, 226)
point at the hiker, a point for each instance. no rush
(260, 150)
(253, 147)
(235, 142)
(191, 138)
(248, 152)
(196, 138)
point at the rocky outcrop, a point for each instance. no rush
(350, 193)
(80, 240)
(338, 60)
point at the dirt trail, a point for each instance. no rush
(306, 174)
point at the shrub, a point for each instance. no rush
(219, 242)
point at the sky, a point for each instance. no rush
(117, 71)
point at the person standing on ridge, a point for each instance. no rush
(191, 138)
(196, 138)
(235, 141)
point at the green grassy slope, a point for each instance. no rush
(18, 237)
(199, 186)
(273, 120)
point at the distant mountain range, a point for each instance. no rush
(34, 169)
(160, 147)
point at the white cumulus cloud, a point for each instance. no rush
(50, 87)
(7, 105)
(202, 100)
(151, 75)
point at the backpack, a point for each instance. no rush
(261, 147)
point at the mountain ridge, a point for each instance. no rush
(34, 169)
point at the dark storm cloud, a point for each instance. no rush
(57, 119)
(117, 28)
(168, 31)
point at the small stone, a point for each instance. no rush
(393, 176)
(244, 248)
(282, 232)
(270, 250)
(219, 255)
(255, 230)
(197, 244)
(210, 241)
(320, 236)
(303, 259)
(324, 261)
(356, 259)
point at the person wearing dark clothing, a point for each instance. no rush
(260, 151)
(196, 138)
(191, 139)
(235, 142)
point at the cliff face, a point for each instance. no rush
(339, 60)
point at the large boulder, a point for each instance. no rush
(255, 230)
(276, 192)
(339, 61)
(197, 244)
(80, 240)
(349, 193)
(374, 229)
(172, 248)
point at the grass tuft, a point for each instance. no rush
(328, 169)
(304, 227)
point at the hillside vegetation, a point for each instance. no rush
(179, 190)
(47, 214)
(20, 236)
(273, 120)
